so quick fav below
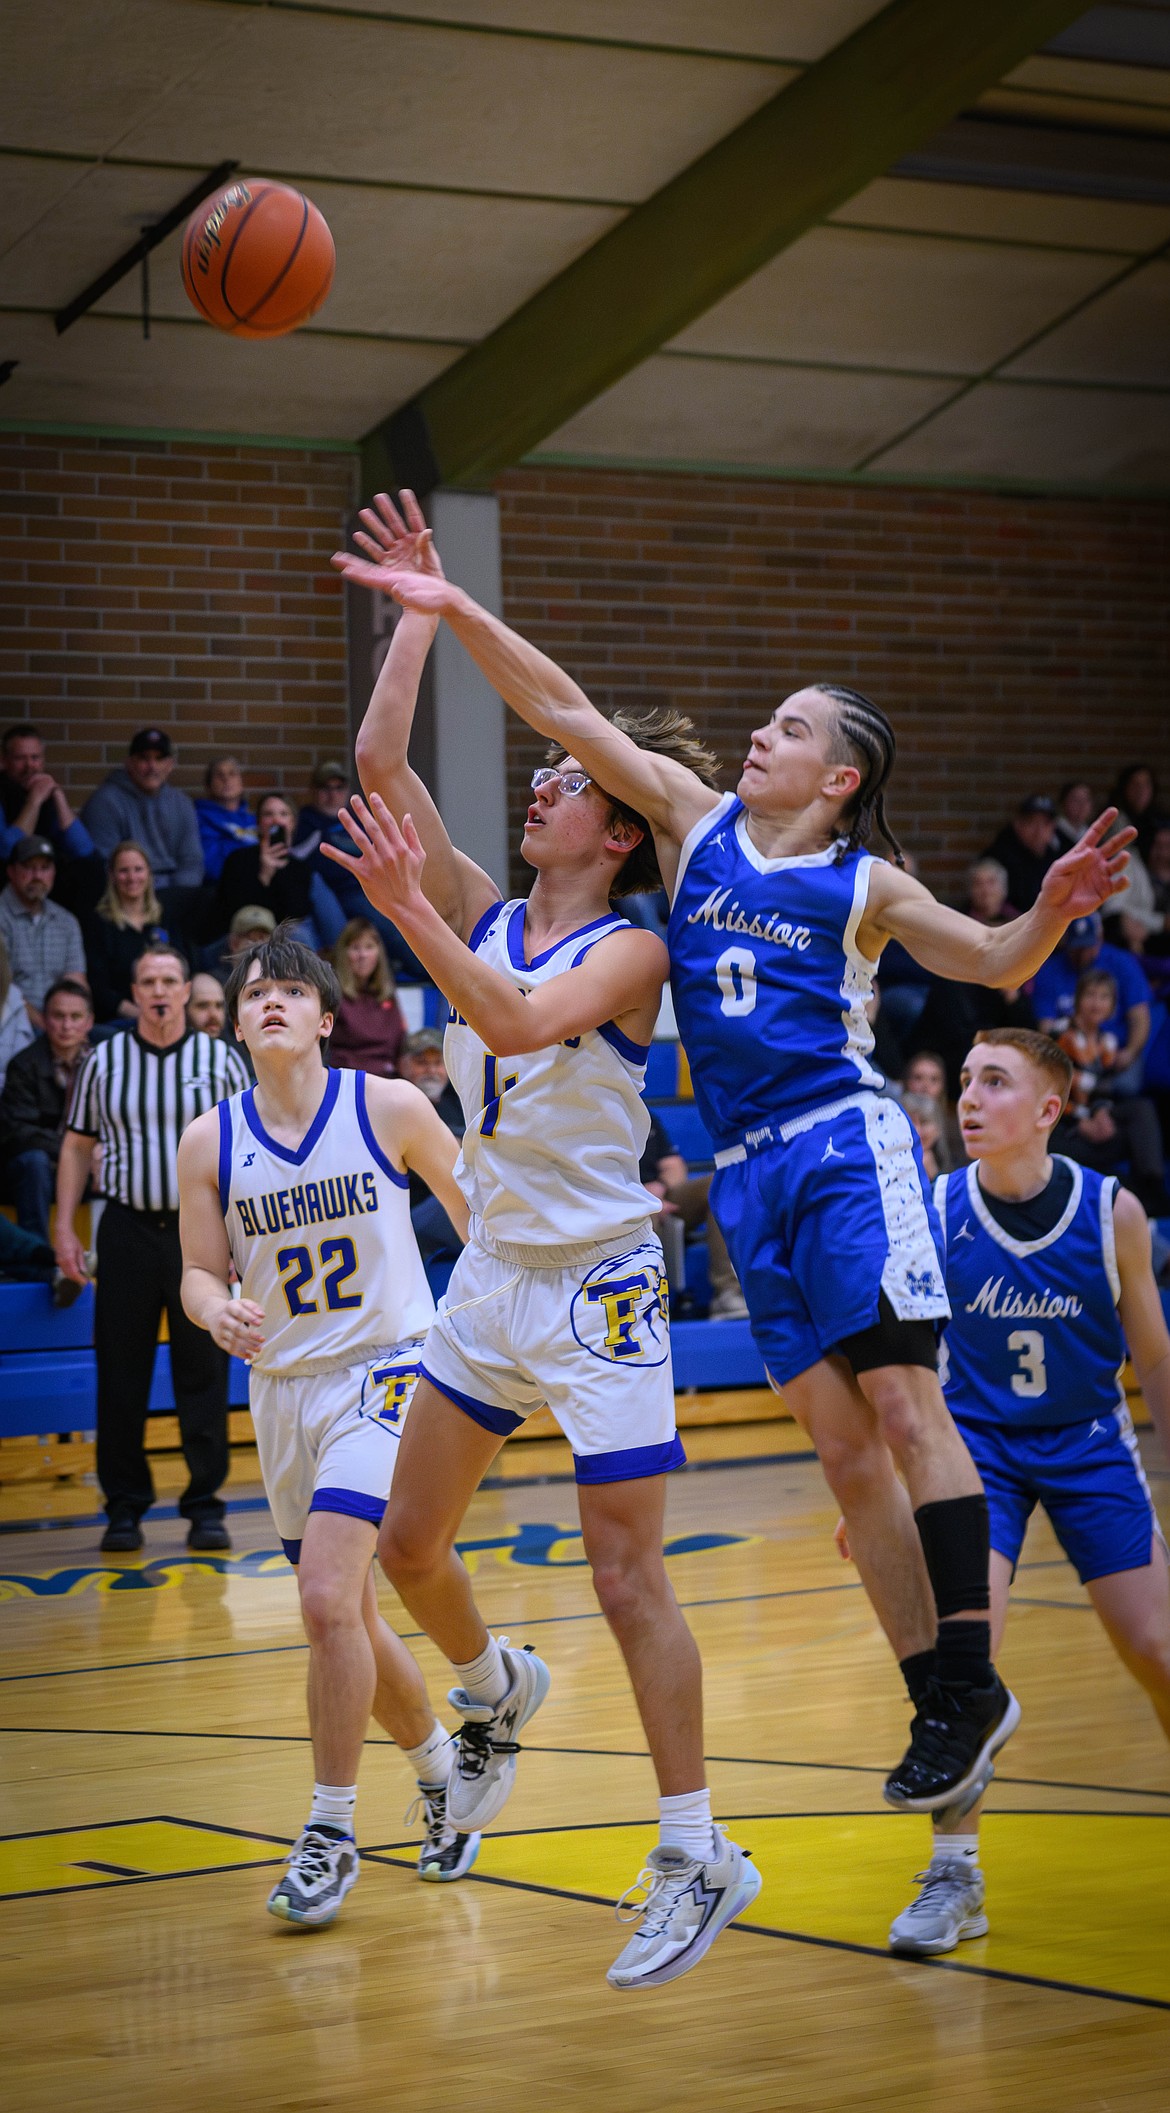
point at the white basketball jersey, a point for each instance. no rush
(321, 1235)
(550, 1155)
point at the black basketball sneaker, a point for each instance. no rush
(955, 1734)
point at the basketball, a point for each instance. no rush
(258, 259)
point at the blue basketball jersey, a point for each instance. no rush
(1034, 1336)
(769, 986)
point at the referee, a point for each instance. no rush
(134, 1096)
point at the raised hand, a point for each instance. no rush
(389, 859)
(393, 541)
(1091, 872)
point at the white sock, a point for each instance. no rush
(485, 1678)
(948, 1848)
(685, 1823)
(431, 1761)
(333, 1806)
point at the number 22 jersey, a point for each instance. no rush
(769, 986)
(321, 1234)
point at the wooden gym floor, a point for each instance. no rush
(156, 1767)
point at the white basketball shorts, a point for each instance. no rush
(329, 1441)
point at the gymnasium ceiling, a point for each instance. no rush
(994, 306)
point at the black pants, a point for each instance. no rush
(140, 1268)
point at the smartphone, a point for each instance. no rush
(278, 834)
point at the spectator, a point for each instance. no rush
(1087, 1039)
(369, 1029)
(34, 1100)
(1075, 809)
(135, 1094)
(328, 793)
(25, 1259)
(1112, 1135)
(1135, 795)
(1026, 847)
(1134, 918)
(987, 893)
(136, 803)
(16, 1029)
(33, 804)
(1158, 868)
(317, 823)
(206, 1009)
(225, 823)
(926, 1074)
(686, 1208)
(1055, 986)
(44, 941)
(250, 924)
(268, 874)
(127, 919)
(954, 1013)
(420, 1061)
(926, 1115)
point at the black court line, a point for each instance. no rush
(867, 1768)
(148, 1878)
(110, 1870)
(147, 1819)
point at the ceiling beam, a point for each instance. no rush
(882, 92)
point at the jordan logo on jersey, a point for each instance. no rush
(964, 1232)
(621, 1312)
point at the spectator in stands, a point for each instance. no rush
(225, 823)
(33, 804)
(26, 1259)
(16, 1029)
(1055, 986)
(44, 941)
(420, 1061)
(35, 1098)
(926, 1115)
(136, 803)
(686, 1208)
(206, 1009)
(1136, 797)
(317, 823)
(1087, 1038)
(328, 793)
(954, 1013)
(987, 893)
(1101, 1131)
(1158, 868)
(127, 919)
(1026, 847)
(1075, 809)
(369, 1029)
(251, 923)
(926, 1074)
(273, 875)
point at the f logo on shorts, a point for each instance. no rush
(633, 1304)
(398, 1383)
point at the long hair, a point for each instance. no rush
(110, 904)
(863, 736)
(663, 731)
(285, 960)
(381, 984)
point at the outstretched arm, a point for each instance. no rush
(237, 1325)
(408, 1128)
(950, 944)
(458, 888)
(671, 797)
(1141, 1312)
(620, 980)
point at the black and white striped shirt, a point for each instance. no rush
(137, 1101)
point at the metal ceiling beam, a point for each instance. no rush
(815, 144)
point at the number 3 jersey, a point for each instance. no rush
(321, 1235)
(769, 986)
(1035, 1336)
(550, 1154)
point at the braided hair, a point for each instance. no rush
(864, 733)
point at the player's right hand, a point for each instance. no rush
(71, 1257)
(238, 1327)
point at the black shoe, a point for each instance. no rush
(955, 1733)
(208, 1534)
(121, 1537)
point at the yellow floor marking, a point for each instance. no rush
(40, 1863)
(1074, 1897)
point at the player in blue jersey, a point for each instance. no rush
(301, 1183)
(779, 915)
(1049, 1277)
(560, 1294)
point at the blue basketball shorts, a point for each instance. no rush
(835, 1209)
(1089, 1479)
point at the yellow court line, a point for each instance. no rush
(101, 1856)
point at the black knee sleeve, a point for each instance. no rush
(956, 1542)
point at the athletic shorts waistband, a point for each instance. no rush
(765, 1136)
(569, 1255)
(345, 1361)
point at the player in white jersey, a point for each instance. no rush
(560, 1295)
(300, 1183)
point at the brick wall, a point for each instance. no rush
(1015, 641)
(185, 585)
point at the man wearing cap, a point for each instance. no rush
(1026, 847)
(1055, 987)
(33, 804)
(136, 801)
(317, 823)
(420, 1061)
(43, 940)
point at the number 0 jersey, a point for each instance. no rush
(769, 986)
(550, 1155)
(1034, 1336)
(321, 1236)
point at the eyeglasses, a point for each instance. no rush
(572, 782)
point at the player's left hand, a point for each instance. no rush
(393, 541)
(1091, 872)
(389, 860)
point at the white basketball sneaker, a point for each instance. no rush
(444, 1855)
(322, 1867)
(688, 1903)
(948, 1909)
(485, 1763)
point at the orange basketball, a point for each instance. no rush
(258, 259)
